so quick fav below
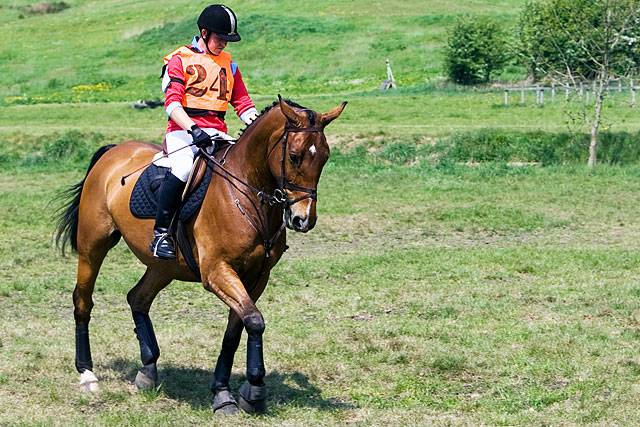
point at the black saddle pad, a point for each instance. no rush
(145, 194)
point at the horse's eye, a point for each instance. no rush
(296, 159)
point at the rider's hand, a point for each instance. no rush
(249, 116)
(201, 139)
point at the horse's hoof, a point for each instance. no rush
(224, 403)
(88, 382)
(253, 399)
(146, 378)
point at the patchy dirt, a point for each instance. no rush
(373, 143)
(45, 8)
(357, 234)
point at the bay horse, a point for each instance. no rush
(268, 181)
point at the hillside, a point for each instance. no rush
(111, 50)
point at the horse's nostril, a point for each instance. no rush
(297, 222)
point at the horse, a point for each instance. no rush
(266, 184)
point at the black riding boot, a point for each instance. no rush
(168, 200)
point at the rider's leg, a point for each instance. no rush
(181, 161)
(168, 201)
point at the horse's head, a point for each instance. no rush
(301, 155)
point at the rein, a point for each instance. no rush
(278, 198)
(275, 199)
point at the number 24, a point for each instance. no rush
(202, 75)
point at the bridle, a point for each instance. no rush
(279, 194)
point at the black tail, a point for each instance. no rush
(67, 213)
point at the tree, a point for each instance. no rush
(475, 48)
(580, 40)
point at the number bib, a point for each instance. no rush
(208, 79)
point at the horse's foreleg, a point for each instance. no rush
(223, 401)
(140, 298)
(226, 284)
(253, 393)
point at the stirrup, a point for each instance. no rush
(163, 246)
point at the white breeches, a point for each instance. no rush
(181, 161)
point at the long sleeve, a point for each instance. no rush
(240, 99)
(174, 79)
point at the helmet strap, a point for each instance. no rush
(206, 40)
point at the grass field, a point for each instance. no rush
(430, 113)
(109, 50)
(488, 295)
(432, 291)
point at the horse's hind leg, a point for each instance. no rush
(140, 298)
(91, 253)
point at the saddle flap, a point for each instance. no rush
(195, 177)
(143, 201)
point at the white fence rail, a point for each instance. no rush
(583, 90)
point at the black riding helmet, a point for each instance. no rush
(221, 20)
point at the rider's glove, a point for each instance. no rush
(201, 139)
(249, 116)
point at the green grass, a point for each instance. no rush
(69, 146)
(425, 113)
(112, 50)
(430, 292)
(485, 295)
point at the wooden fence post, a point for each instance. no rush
(506, 97)
(553, 92)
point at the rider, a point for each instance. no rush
(199, 81)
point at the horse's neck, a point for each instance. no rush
(250, 155)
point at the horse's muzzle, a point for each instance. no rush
(301, 216)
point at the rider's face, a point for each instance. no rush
(216, 44)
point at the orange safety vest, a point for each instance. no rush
(208, 79)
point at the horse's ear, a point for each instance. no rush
(289, 112)
(330, 116)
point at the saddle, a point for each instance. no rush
(143, 202)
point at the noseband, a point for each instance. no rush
(279, 194)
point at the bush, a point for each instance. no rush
(495, 148)
(540, 147)
(476, 47)
(70, 148)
